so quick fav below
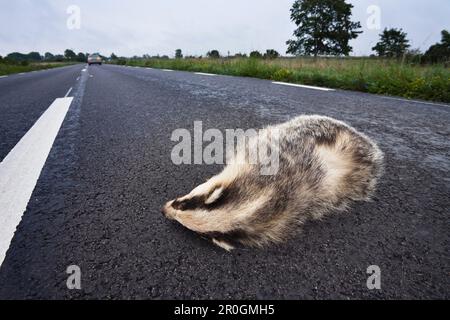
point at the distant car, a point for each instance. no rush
(94, 59)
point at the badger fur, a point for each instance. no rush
(324, 164)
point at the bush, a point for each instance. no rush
(283, 75)
(214, 54)
(271, 54)
(178, 54)
(255, 55)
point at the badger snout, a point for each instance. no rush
(168, 211)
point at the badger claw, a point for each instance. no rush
(224, 245)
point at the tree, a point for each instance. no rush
(59, 58)
(271, 54)
(113, 56)
(17, 56)
(81, 57)
(393, 43)
(178, 54)
(439, 52)
(34, 56)
(214, 54)
(255, 54)
(49, 56)
(323, 27)
(70, 55)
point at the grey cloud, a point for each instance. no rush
(136, 27)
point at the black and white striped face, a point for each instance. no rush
(202, 198)
(206, 210)
(222, 212)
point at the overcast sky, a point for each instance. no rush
(136, 27)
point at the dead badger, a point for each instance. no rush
(323, 165)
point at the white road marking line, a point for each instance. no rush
(78, 78)
(68, 92)
(84, 70)
(22, 73)
(149, 68)
(416, 101)
(206, 74)
(21, 168)
(167, 70)
(302, 86)
(3, 77)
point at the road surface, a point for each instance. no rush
(98, 198)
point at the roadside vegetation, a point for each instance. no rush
(7, 68)
(17, 62)
(373, 75)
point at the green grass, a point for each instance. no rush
(9, 68)
(388, 77)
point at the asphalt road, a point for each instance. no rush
(97, 202)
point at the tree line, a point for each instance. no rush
(215, 54)
(22, 58)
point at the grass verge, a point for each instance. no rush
(388, 77)
(7, 68)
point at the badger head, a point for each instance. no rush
(223, 209)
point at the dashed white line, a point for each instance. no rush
(21, 168)
(78, 78)
(206, 74)
(302, 86)
(149, 68)
(167, 70)
(22, 73)
(3, 77)
(68, 92)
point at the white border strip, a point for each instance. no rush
(206, 74)
(416, 101)
(167, 70)
(21, 168)
(302, 86)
